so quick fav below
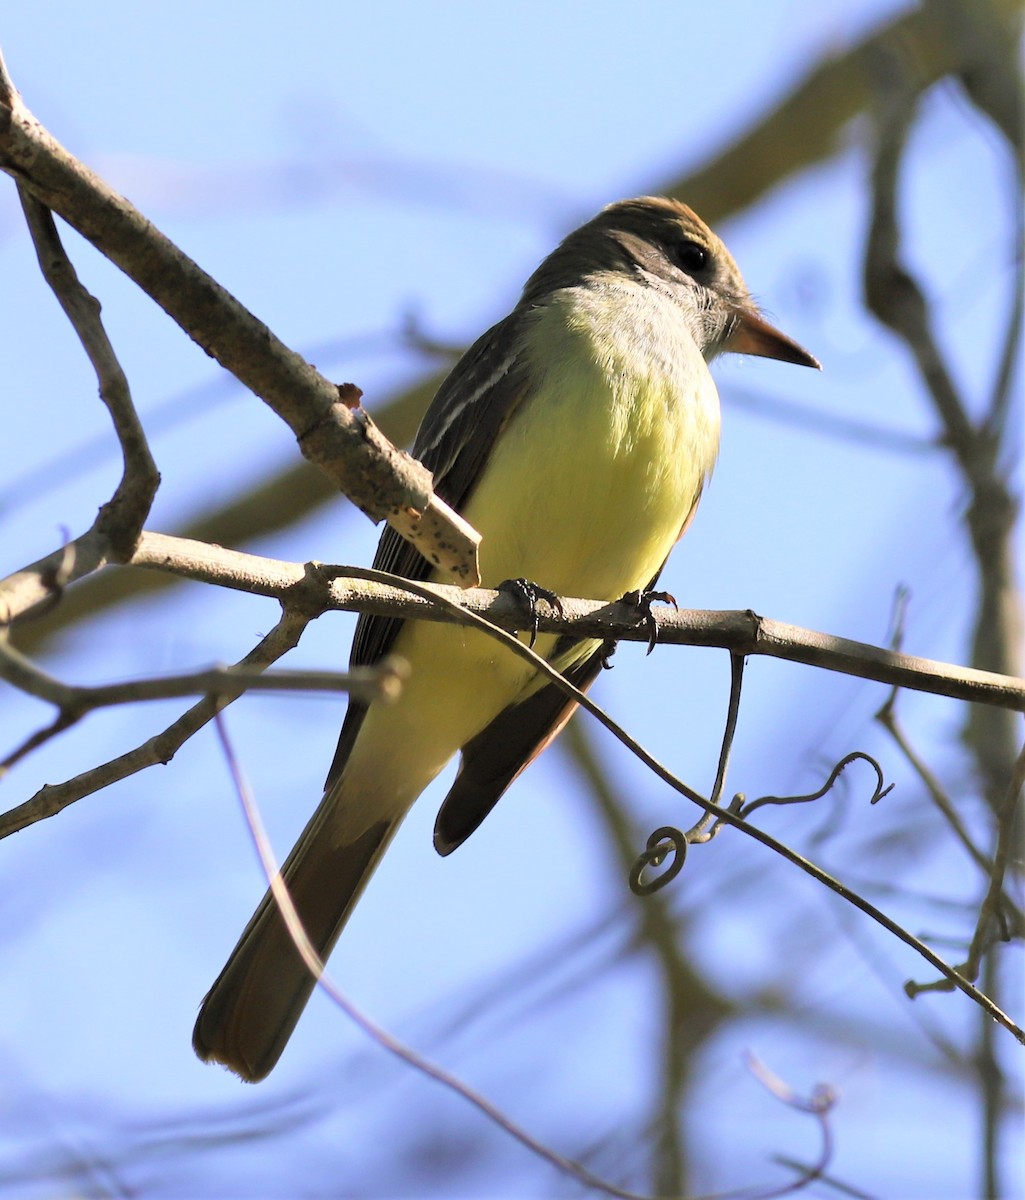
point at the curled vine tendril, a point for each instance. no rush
(665, 841)
(857, 755)
(668, 841)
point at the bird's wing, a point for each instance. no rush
(497, 755)
(454, 442)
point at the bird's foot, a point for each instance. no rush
(643, 601)
(527, 594)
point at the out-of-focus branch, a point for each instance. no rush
(896, 298)
(986, 35)
(979, 451)
(332, 429)
(805, 127)
(690, 1011)
(991, 926)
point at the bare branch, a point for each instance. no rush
(896, 298)
(891, 292)
(54, 798)
(123, 516)
(41, 583)
(50, 800)
(987, 66)
(113, 534)
(308, 590)
(992, 923)
(887, 717)
(317, 587)
(381, 682)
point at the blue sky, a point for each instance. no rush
(336, 167)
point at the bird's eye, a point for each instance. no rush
(691, 256)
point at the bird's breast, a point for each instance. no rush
(588, 486)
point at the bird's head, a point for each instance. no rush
(666, 244)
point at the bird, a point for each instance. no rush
(577, 436)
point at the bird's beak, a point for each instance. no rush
(752, 334)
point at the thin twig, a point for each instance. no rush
(119, 522)
(989, 914)
(122, 518)
(667, 839)
(161, 748)
(991, 926)
(381, 682)
(747, 807)
(887, 717)
(707, 828)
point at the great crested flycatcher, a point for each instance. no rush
(576, 436)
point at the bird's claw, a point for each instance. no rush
(527, 594)
(643, 602)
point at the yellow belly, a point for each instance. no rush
(585, 493)
(591, 481)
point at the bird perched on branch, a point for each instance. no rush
(576, 436)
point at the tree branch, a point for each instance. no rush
(161, 748)
(114, 532)
(73, 702)
(897, 300)
(317, 588)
